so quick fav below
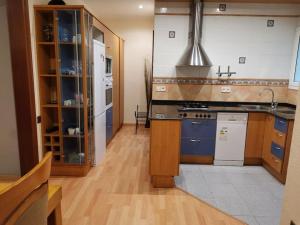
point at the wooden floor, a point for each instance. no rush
(119, 192)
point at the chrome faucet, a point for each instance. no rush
(273, 103)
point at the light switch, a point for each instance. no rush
(226, 89)
(161, 88)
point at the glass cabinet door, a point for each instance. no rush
(88, 26)
(71, 85)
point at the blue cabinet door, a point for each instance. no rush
(193, 128)
(281, 124)
(277, 151)
(109, 124)
(198, 146)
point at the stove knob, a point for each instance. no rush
(209, 116)
(205, 116)
(201, 115)
(180, 115)
(184, 115)
(197, 115)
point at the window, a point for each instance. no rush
(295, 70)
(297, 67)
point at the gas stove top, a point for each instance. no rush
(195, 110)
(193, 106)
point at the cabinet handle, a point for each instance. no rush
(196, 123)
(280, 121)
(279, 134)
(278, 148)
(194, 140)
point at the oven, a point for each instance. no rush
(109, 92)
(108, 66)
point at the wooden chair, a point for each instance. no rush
(25, 202)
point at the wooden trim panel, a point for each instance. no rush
(21, 60)
(191, 159)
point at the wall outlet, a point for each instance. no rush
(226, 90)
(161, 88)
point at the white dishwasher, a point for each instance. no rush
(231, 139)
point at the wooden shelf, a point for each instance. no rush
(71, 76)
(69, 43)
(46, 43)
(48, 75)
(73, 136)
(50, 106)
(72, 106)
(55, 133)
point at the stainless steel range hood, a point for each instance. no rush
(194, 54)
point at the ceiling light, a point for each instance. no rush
(141, 6)
(163, 10)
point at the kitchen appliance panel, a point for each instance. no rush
(231, 139)
(99, 78)
(100, 138)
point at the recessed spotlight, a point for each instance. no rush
(141, 6)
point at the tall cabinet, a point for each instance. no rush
(64, 55)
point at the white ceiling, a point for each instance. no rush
(121, 9)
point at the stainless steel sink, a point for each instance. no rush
(256, 107)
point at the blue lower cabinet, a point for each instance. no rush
(281, 125)
(109, 124)
(198, 128)
(198, 146)
(277, 151)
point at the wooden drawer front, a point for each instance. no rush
(281, 125)
(275, 163)
(199, 128)
(198, 147)
(277, 151)
(279, 138)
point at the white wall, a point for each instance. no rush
(226, 38)
(138, 37)
(9, 152)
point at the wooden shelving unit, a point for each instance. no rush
(64, 51)
(63, 70)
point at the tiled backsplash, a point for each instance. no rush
(213, 90)
(292, 96)
(202, 81)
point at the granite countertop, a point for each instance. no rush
(168, 111)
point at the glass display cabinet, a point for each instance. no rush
(63, 40)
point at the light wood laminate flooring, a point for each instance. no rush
(118, 192)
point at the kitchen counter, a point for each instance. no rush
(166, 110)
